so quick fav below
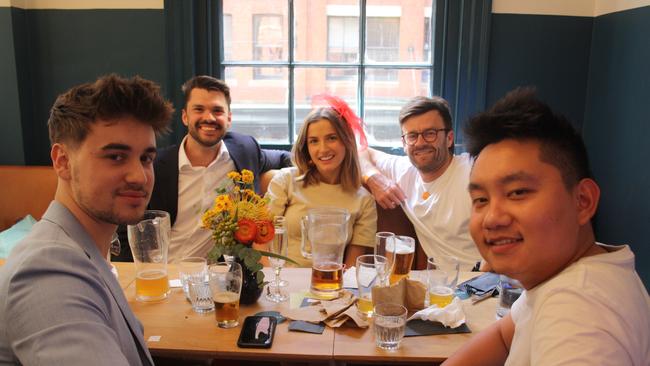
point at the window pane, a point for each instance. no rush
(258, 31)
(326, 22)
(394, 32)
(259, 107)
(312, 81)
(383, 102)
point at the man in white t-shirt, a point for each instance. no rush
(532, 203)
(429, 183)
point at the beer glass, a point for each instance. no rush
(403, 250)
(225, 279)
(370, 271)
(442, 278)
(328, 233)
(278, 246)
(383, 240)
(149, 243)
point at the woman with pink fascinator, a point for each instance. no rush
(326, 173)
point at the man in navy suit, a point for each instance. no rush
(188, 174)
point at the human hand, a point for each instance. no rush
(388, 194)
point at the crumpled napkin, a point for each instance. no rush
(451, 315)
(333, 312)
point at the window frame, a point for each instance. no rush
(361, 65)
(460, 48)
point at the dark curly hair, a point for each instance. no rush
(110, 97)
(520, 115)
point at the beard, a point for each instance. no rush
(433, 163)
(92, 205)
(207, 142)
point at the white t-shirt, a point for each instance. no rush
(594, 312)
(289, 198)
(441, 216)
(196, 193)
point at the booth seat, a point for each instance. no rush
(29, 190)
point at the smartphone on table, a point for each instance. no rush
(257, 332)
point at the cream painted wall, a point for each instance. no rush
(82, 4)
(585, 8)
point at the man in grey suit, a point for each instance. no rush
(59, 302)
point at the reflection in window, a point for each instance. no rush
(227, 39)
(267, 44)
(342, 45)
(383, 44)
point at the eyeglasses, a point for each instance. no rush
(430, 135)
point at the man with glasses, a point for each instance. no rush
(429, 182)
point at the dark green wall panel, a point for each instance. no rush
(549, 52)
(617, 129)
(69, 47)
(11, 138)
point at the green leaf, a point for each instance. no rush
(215, 253)
(260, 277)
(269, 254)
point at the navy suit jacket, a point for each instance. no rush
(244, 151)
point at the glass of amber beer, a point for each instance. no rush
(442, 278)
(225, 284)
(328, 234)
(149, 243)
(403, 252)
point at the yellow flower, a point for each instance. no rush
(235, 176)
(247, 176)
(207, 218)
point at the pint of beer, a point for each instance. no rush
(403, 250)
(149, 243)
(225, 279)
(327, 278)
(328, 235)
(442, 277)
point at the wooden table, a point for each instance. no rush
(184, 333)
(356, 345)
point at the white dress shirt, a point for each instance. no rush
(196, 193)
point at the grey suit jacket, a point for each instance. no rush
(61, 305)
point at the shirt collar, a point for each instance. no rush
(185, 164)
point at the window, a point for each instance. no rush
(375, 54)
(267, 44)
(383, 45)
(342, 45)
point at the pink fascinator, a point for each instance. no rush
(342, 108)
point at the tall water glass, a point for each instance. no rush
(442, 278)
(370, 270)
(389, 324)
(225, 279)
(403, 249)
(278, 246)
(384, 240)
(149, 243)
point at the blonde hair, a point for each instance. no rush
(350, 172)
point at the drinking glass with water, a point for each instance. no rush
(389, 325)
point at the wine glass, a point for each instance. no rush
(278, 246)
(384, 246)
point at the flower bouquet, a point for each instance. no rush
(239, 218)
